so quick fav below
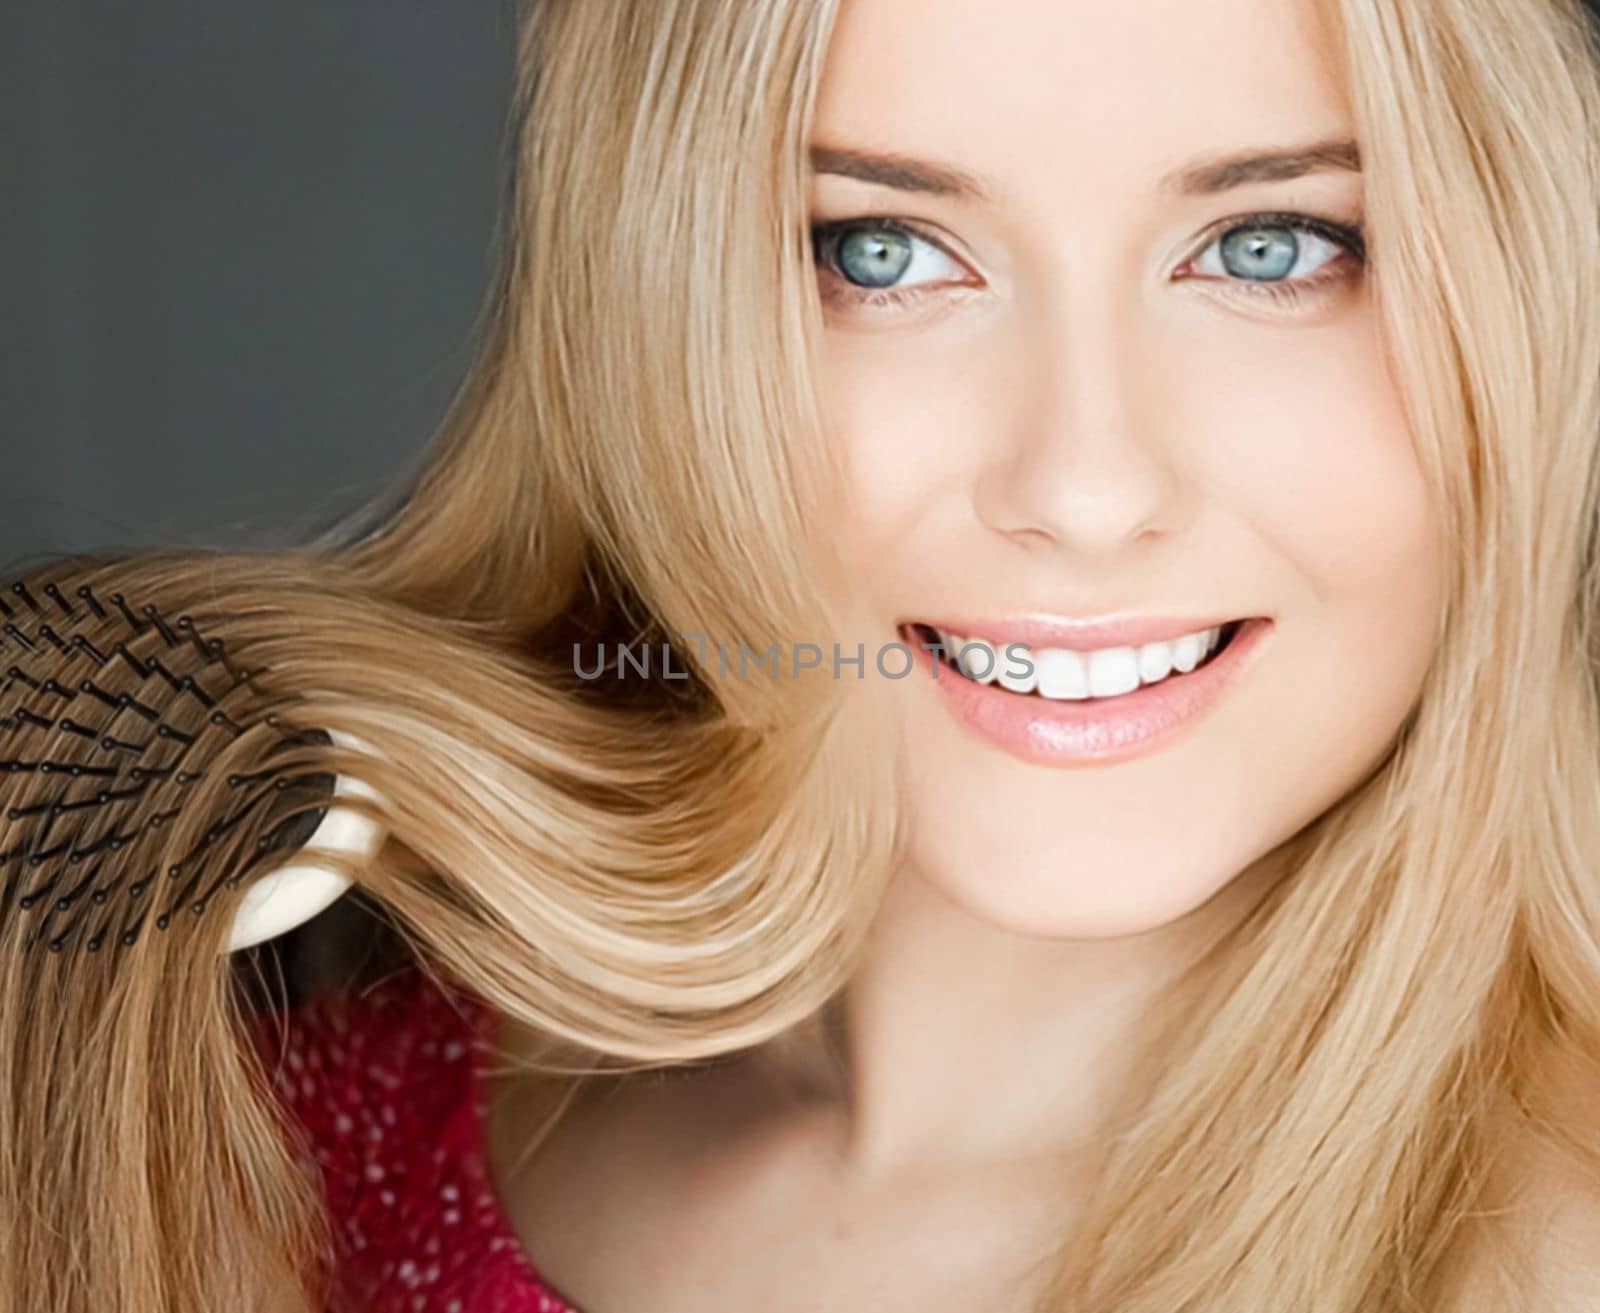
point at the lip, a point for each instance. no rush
(1101, 731)
(1041, 630)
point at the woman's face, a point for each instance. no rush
(1101, 346)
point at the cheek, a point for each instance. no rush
(1317, 463)
(1315, 457)
(907, 427)
(1306, 501)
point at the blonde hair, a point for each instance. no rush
(691, 871)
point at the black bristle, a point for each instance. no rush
(103, 841)
(187, 626)
(43, 891)
(103, 893)
(21, 676)
(84, 645)
(167, 636)
(194, 689)
(87, 594)
(173, 681)
(139, 667)
(221, 718)
(183, 896)
(54, 594)
(95, 691)
(71, 896)
(40, 858)
(90, 801)
(60, 941)
(139, 708)
(131, 935)
(134, 623)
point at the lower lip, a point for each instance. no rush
(1098, 731)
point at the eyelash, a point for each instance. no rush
(1283, 294)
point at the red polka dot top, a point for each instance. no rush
(385, 1083)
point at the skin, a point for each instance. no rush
(1071, 418)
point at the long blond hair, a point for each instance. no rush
(690, 870)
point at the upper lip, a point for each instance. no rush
(1039, 630)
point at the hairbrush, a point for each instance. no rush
(144, 768)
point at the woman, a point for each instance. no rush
(1217, 383)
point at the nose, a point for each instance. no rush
(1085, 463)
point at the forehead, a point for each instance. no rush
(1029, 90)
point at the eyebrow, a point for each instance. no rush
(1203, 178)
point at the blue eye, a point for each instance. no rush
(875, 259)
(1279, 248)
(1280, 257)
(879, 258)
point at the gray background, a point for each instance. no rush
(245, 247)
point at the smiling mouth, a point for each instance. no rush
(1066, 674)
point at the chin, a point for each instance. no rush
(1069, 893)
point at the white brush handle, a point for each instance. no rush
(293, 894)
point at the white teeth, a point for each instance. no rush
(977, 659)
(1062, 674)
(1066, 675)
(1186, 652)
(1010, 676)
(1113, 670)
(1155, 662)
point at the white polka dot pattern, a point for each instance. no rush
(386, 1082)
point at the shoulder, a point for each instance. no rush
(1559, 1218)
(1536, 1241)
(384, 1087)
(369, 1075)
